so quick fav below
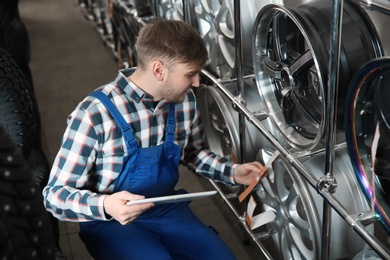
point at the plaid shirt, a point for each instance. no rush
(92, 150)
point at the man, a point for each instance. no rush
(126, 140)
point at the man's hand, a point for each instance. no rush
(247, 172)
(115, 206)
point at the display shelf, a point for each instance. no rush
(325, 186)
(320, 185)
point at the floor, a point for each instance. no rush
(68, 60)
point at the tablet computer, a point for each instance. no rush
(173, 198)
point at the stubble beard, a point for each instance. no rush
(170, 94)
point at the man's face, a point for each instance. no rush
(179, 80)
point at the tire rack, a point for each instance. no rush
(325, 185)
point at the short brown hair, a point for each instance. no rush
(171, 40)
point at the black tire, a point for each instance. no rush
(22, 54)
(39, 165)
(25, 229)
(14, 36)
(18, 108)
(7, 39)
(11, 6)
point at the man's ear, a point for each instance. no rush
(158, 70)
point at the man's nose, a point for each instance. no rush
(196, 80)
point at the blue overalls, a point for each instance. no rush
(169, 231)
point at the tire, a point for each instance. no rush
(7, 39)
(39, 165)
(22, 53)
(11, 6)
(18, 107)
(25, 231)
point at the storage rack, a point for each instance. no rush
(325, 186)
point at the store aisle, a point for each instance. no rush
(69, 60)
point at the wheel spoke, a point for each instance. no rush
(266, 193)
(217, 122)
(273, 68)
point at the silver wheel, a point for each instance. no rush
(221, 120)
(170, 9)
(290, 50)
(296, 231)
(215, 22)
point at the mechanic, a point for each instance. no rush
(125, 141)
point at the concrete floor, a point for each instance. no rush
(68, 60)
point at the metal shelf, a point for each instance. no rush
(323, 186)
(382, 6)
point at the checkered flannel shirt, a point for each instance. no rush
(92, 148)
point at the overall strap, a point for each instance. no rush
(126, 129)
(171, 125)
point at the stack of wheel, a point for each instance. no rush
(291, 49)
(98, 12)
(127, 21)
(118, 23)
(20, 119)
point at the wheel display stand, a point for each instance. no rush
(244, 119)
(326, 185)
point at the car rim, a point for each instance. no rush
(214, 20)
(170, 9)
(218, 120)
(290, 50)
(364, 108)
(296, 230)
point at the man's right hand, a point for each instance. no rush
(115, 206)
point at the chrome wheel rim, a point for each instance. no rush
(218, 120)
(170, 9)
(221, 120)
(274, 86)
(290, 59)
(362, 115)
(296, 230)
(214, 20)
